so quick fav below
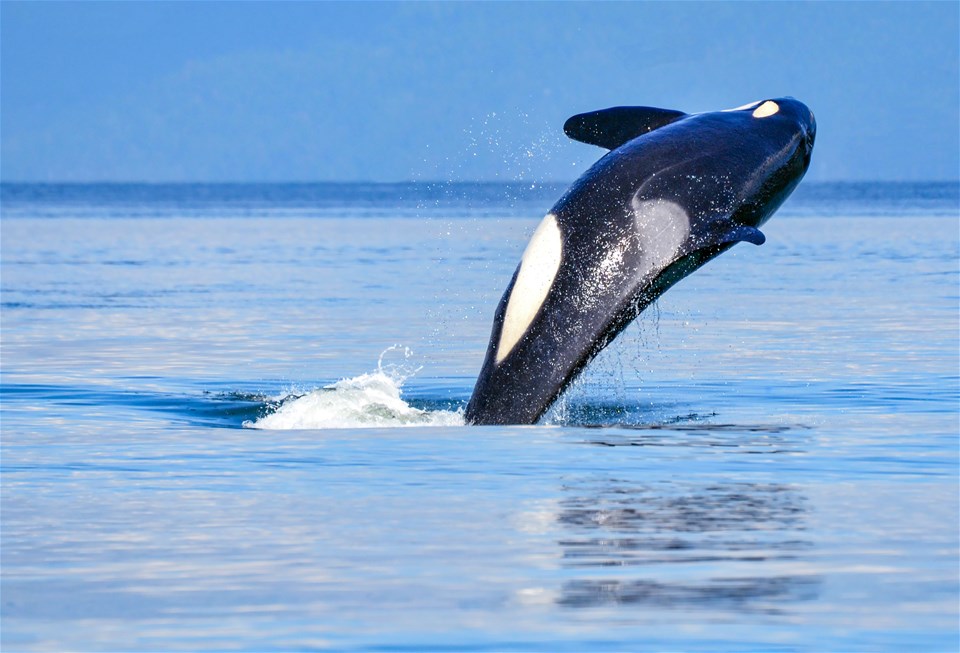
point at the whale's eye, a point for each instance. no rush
(768, 108)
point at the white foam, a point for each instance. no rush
(366, 401)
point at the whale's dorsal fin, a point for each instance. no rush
(611, 128)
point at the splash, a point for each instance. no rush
(367, 401)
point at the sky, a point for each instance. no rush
(230, 91)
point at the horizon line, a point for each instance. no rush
(424, 182)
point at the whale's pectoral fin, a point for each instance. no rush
(611, 128)
(741, 233)
(723, 234)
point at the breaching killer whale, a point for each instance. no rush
(675, 191)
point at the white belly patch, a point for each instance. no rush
(538, 269)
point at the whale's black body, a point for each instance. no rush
(675, 191)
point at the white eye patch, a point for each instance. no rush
(768, 108)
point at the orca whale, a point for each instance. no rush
(675, 191)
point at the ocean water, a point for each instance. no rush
(202, 387)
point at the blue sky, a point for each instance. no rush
(215, 91)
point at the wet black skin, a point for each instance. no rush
(729, 171)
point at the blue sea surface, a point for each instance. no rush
(202, 389)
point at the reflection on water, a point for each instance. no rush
(738, 594)
(745, 438)
(640, 534)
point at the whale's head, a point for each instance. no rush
(787, 129)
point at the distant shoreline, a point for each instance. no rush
(432, 183)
